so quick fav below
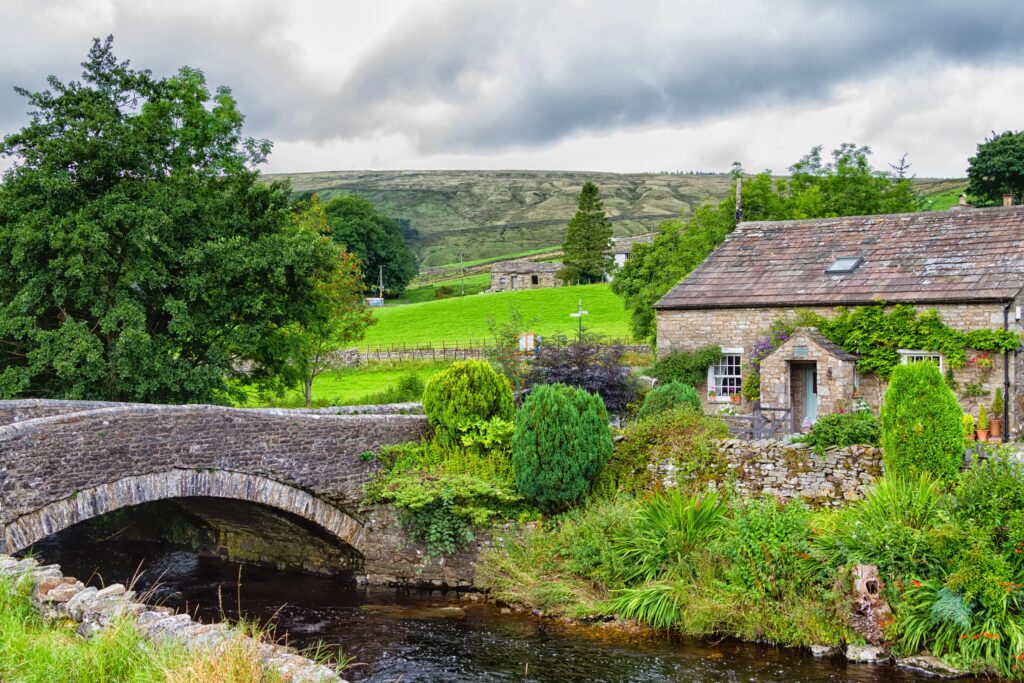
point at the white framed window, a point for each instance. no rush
(725, 378)
(911, 356)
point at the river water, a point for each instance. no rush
(396, 636)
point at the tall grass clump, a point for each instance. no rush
(664, 533)
(922, 423)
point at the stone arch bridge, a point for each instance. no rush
(65, 462)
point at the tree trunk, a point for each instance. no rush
(309, 391)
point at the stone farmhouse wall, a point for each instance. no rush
(687, 330)
(516, 275)
(791, 470)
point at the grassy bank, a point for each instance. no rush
(473, 284)
(33, 650)
(464, 319)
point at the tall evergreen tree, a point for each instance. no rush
(587, 248)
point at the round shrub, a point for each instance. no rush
(459, 399)
(922, 423)
(671, 395)
(562, 441)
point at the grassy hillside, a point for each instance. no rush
(493, 213)
(490, 214)
(464, 319)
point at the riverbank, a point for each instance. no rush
(54, 628)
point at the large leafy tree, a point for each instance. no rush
(141, 258)
(997, 169)
(587, 248)
(376, 239)
(314, 345)
(846, 185)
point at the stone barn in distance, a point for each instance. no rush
(966, 264)
(508, 276)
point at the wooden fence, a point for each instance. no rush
(762, 423)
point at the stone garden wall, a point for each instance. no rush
(792, 470)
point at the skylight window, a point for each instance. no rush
(845, 264)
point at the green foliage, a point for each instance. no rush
(376, 239)
(922, 423)
(767, 544)
(844, 186)
(588, 538)
(505, 353)
(988, 493)
(680, 435)
(562, 441)
(974, 618)
(859, 428)
(587, 248)
(969, 428)
(344, 317)
(893, 528)
(442, 494)
(997, 169)
(143, 259)
(464, 396)
(779, 334)
(876, 334)
(688, 367)
(665, 531)
(997, 404)
(671, 395)
(982, 419)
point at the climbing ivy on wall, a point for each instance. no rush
(781, 331)
(876, 334)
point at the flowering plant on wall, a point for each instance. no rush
(778, 335)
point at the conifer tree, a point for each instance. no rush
(587, 248)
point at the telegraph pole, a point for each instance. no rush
(579, 316)
(380, 281)
(462, 271)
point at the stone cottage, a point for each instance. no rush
(966, 264)
(622, 247)
(507, 276)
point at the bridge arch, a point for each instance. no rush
(180, 483)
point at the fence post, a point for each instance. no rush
(757, 420)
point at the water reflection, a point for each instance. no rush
(482, 645)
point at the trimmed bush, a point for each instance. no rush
(671, 395)
(861, 428)
(922, 423)
(562, 441)
(459, 399)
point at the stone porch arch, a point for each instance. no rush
(179, 483)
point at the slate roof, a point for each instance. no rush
(624, 245)
(963, 255)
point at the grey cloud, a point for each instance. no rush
(470, 76)
(610, 81)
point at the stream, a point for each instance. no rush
(402, 636)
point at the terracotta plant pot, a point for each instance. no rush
(983, 434)
(736, 398)
(995, 427)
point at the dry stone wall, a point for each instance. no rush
(791, 470)
(61, 597)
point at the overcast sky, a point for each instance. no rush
(600, 85)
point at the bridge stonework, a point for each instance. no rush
(63, 462)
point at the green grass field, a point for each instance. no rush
(464, 319)
(351, 386)
(474, 285)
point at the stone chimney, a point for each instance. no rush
(1007, 199)
(963, 200)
